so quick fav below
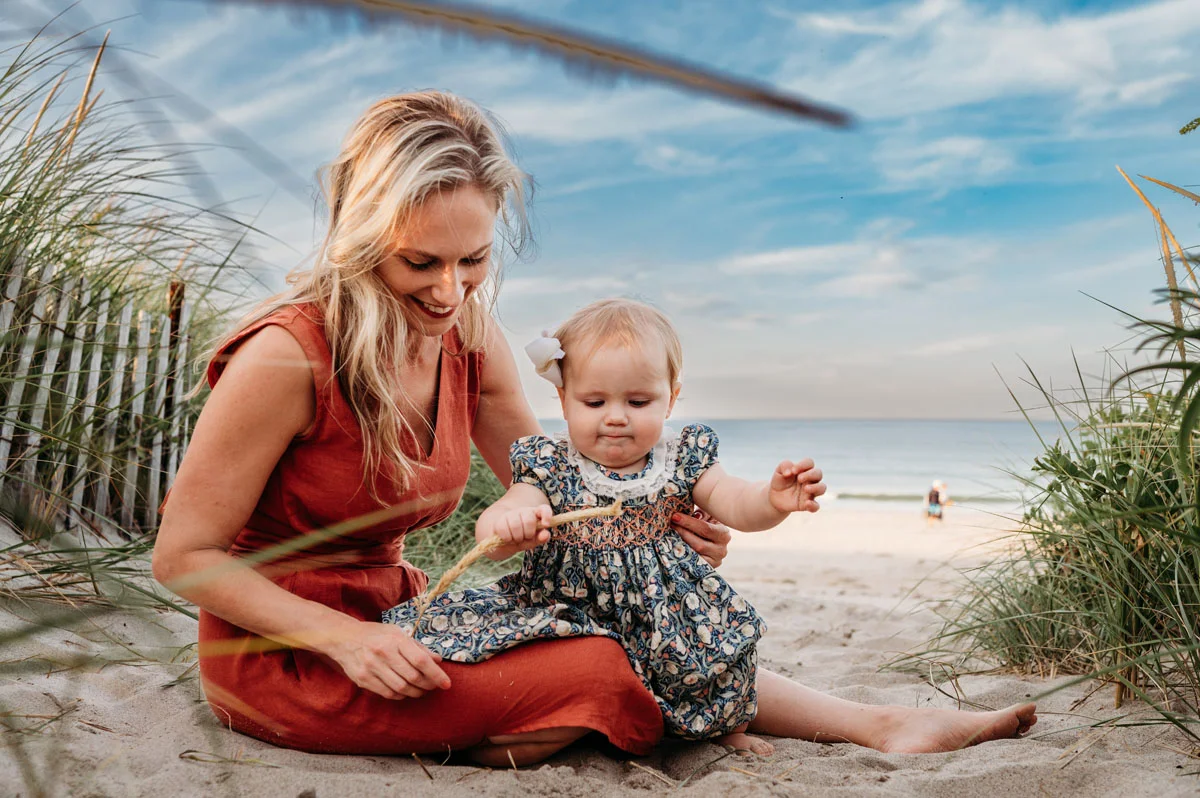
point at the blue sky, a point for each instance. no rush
(898, 270)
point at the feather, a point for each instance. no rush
(603, 56)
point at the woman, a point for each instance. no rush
(355, 395)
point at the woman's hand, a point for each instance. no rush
(795, 487)
(708, 536)
(382, 658)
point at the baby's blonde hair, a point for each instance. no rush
(624, 321)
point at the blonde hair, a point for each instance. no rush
(624, 321)
(401, 151)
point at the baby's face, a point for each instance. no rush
(615, 403)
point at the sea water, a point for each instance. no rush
(888, 463)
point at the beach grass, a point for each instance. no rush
(1102, 577)
(438, 548)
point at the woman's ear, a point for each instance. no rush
(674, 396)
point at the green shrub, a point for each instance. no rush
(1103, 575)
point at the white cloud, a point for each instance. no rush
(799, 260)
(677, 160)
(876, 264)
(596, 114)
(940, 54)
(977, 342)
(957, 346)
(181, 46)
(944, 164)
(547, 286)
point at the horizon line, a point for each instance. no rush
(935, 420)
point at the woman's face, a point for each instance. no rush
(441, 256)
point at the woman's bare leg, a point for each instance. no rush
(524, 749)
(789, 709)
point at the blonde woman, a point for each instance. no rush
(356, 395)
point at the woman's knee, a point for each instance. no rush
(564, 735)
(526, 748)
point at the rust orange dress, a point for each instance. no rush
(301, 699)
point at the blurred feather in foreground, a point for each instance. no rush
(597, 55)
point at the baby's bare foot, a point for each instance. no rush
(915, 731)
(746, 744)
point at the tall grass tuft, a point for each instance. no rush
(1102, 578)
(1104, 574)
(436, 549)
(96, 220)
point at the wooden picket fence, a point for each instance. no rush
(94, 394)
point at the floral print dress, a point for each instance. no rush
(688, 635)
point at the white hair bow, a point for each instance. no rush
(545, 352)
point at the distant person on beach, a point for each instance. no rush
(689, 636)
(341, 419)
(936, 502)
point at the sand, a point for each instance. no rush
(844, 591)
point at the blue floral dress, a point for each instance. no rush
(688, 635)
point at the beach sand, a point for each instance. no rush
(844, 591)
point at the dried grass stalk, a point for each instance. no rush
(493, 543)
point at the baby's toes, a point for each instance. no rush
(759, 746)
(746, 744)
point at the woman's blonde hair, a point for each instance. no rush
(623, 321)
(401, 150)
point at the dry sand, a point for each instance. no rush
(842, 591)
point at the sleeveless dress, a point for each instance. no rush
(301, 699)
(631, 578)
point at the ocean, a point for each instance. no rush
(886, 464)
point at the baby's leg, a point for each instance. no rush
(744, 743)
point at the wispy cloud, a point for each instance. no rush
(1011, 339)
(943, 164)
(678, 160)
(939, 54)
(515, 287)
(871, 267)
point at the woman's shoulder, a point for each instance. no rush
(301, 332)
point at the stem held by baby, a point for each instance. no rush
(493, 543)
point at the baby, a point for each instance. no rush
(689, 636)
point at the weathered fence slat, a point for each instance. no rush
(41, 400)
(114, 404)
(158, 411)
(70, 400)
(11, 293)
(137, 398)
(17, 392)
(88, 401)
(181, 372)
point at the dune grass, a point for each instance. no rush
(1103, 576)
(436, 549)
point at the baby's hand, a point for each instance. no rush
(520, 528)
(796, 486)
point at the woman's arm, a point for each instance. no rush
(754, 506)
(265, 398)
(504, 414)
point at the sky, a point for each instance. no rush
(969, 232)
